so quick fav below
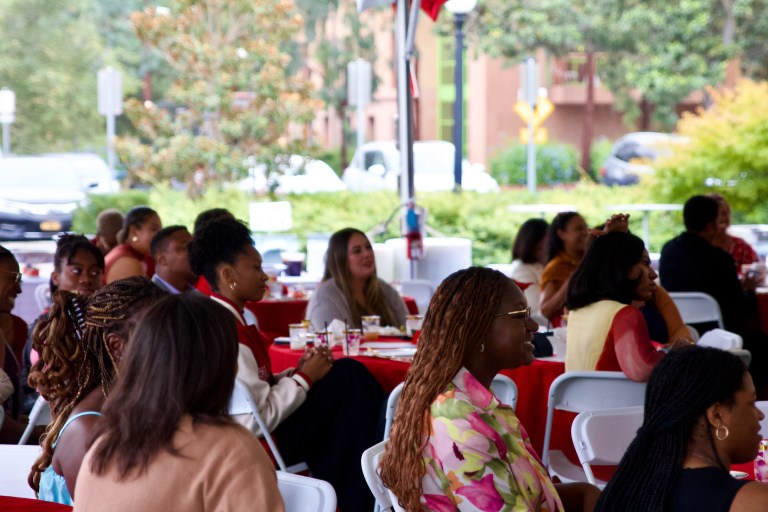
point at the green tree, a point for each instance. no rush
(49, 56)
(726, 152)
(660, 50)
(332, 52)
(233, 97)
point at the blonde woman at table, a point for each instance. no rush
(323, 412)
(350, 288)
(165, 441)
(472, 452)
(700, 417)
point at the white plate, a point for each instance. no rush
(739, 475)
(386, 344)
(396, 352)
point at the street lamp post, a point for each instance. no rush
(460, 10)
(7, 116)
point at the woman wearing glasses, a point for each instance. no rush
(605, 330)
(475, 454)
(13, 335)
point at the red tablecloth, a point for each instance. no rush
(389, 373)
(410, 304)
(274, 315)
(12, 504)
(762, 304)
(532, 385)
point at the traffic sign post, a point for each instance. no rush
(359, 89)
(7, 116)
(533, 109)
(110, 104)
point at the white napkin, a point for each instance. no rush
(336, 333)
(722, 339)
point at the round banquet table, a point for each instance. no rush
(532, 382)
(14, 504)
(274, 315)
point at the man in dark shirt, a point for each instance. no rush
(690, 263)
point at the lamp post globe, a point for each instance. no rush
(460, 10)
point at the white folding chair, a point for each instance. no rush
(39, 415)
(43, 296)
(242, 402)
(504, 388)
(580, 392)
(504, 268)
(15, 464)
(370, 461)
(602, 437)
(392, 401)
(305, 494)
(421, 290)
(763, 406)
(697, 307)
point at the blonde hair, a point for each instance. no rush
(337, 268)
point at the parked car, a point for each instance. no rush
(633, 155)
(95, 176)
(301, 175)
(37, 197)
(376, 166)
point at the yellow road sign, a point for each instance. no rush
(544, 107)
(540, 135)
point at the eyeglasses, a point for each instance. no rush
(16, 279)
(521, 313)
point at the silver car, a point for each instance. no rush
(633, 155)
(37, 197)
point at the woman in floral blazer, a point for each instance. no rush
(472, 452)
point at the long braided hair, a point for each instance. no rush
(458, 319)
(75, 356)
(682, 387)
(337, 268)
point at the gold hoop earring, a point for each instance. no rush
(134, 239)
(482, 347)
(721, 436)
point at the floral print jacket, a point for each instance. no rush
(478, 456)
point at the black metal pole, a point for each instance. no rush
(458, 104)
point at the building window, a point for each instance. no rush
(446, 90)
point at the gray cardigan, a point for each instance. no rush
(328, 302)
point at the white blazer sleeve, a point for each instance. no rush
(276, 402)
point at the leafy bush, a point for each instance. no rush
(727, 152)
(601, 150)
(555, 163)
(84, 219)
(482, 218)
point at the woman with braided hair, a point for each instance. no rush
(323, 412)
(700, 417)
(80, 344)
(453, 445)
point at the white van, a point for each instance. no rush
(376, 166)
(95, 176)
